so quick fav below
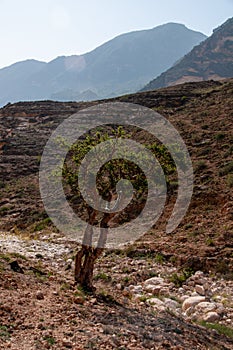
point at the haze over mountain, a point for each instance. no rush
(211, 59)
(122, 65)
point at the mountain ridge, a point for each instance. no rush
(122, 65)
(211, 59)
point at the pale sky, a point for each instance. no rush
(45, 29)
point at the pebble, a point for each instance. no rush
(39, 295)
(200, 289)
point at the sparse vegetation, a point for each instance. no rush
(179, 278)
(230, 180)
(221, 329)
(226, 169)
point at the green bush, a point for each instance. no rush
(228, 168)
(230, 180)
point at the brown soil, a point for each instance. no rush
(203, 114)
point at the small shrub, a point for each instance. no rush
(43, 224)
(230, 180)
(227, 169)
(159, 258)
(179, 279)
(209, 242)
(200, 165)
(187, 226)
(184, 98)
(205, 127)
(4, 333)
(2, 184)
(50, 340)
(3, 210)
(102, 276)
(220, 328)
(204, 114)
(220, 136)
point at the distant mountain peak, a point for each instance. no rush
(119, 66)
(211, 59)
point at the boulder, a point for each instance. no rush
(192, 301)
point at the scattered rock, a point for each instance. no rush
(39, 295)
(211, 317)
(192, 301)
(157, 304)
(200, 289)
(154, 281)
(206, 306)
(79, 300)
(15, 266)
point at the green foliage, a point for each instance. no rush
(220, 328)
(230, 180)
(2, 184)
(200, 165)
(4, 332)
(102, 276)
(50, 340)
(42, 224)
(227, 169)
(115, 169)
(220, 136)
(179, 278)
(159, 258)
(3, 210)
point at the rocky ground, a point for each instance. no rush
(162, 292)
(139, 303)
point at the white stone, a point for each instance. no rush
(189, 311)
(119, 286)
(206, 306)
(211, 317)
(155, 281)
(181, 290)
(170, 303)
(164, 291)
(137, 289)
(198, 274)
(157, 304)
(192, 301)
(184, 297)
(152, 288)
(200, 289)
(137, 296)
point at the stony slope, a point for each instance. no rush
(40, 308)
(212, 59)
(202, 112)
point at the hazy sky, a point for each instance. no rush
(45, 29)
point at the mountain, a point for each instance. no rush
(14, 79)
(212, 59)
(121, 65)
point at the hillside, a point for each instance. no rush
(143, 290)
(211, 59)
(123, 64)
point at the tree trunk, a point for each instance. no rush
(87, 255)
